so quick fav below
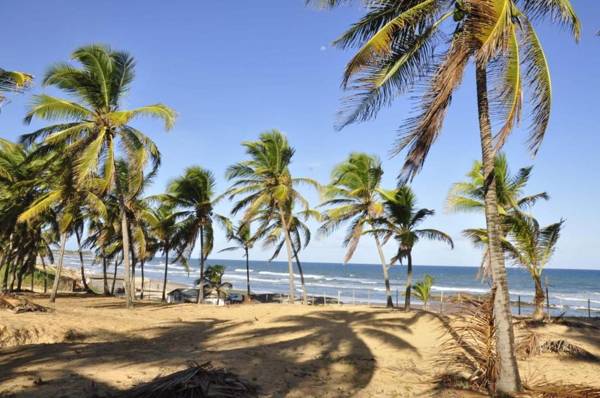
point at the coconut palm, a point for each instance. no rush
(193, 195)
(94, 125)
(268, 186)
(400, 222)
(12, 81)
(400, 49)
(69, 202)
(532, 246)
(353, 197)
(163, 223)
(241, 235)
(469, 196)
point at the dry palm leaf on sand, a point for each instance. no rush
(197, 381)
(18, 304)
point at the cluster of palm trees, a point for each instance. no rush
(424, 47)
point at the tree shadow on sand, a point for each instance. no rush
(297, 353)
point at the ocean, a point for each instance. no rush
(569, 289)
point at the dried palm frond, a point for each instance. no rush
(553, 390)
(529, 345)
(197, 381)
(471, 350)
(19, 304)
(564, 347)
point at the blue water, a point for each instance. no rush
(569, 289)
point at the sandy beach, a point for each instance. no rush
(93, 346)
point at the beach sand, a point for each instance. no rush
(92, 346)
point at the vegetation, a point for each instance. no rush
(267, 186)
(422, 290)
(399, 50)
(400, 221)
(523, 240)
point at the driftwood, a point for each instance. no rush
(19, 304)
(197, 381)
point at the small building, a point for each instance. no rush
(182, 295)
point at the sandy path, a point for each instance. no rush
(95, 346)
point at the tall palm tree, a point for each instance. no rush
(398, 52)
(400, 222)
(193, 195)
(267, 185)
(469, 196)
(94, 125)
(163, 223)
(241, 235)
(353, 196)
(532, 246)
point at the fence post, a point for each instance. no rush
(519, 303)
(353, 297)
(589, 309)
(324, 298)
(397, 295)
(339, 298)
(442, 303)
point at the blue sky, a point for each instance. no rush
(232, 69)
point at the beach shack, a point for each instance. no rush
(182, 295)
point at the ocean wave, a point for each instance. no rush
(242, 270)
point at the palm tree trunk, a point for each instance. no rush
(104, 276)
(125, 238)
(386, 277)
(200, 298)
(4, 263)
(114, 279)
(45, 274)
(509, 380)
(133, 262)
(538, 313)
(142, 269)
(301, 272)
(288, 244)
(82, 265)
(164, 289)
(247, 274)
(409, 277)
(58, 270)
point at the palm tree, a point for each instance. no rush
(422, 290)
(241, 235)
(353, 197)
(193, 196)
(400, 222)
(532, 246)
(163, 223)
(68, 201)
(469, 196)
(94, 125)
(11, 81)
(267, 185)
(399, 51)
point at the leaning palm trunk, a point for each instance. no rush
(248, 297)
(288, 245)
(409, 276)
(61, 256)
(538, 313)
(301, 272)
(386, 277)
(82, 265)
(509, 380)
